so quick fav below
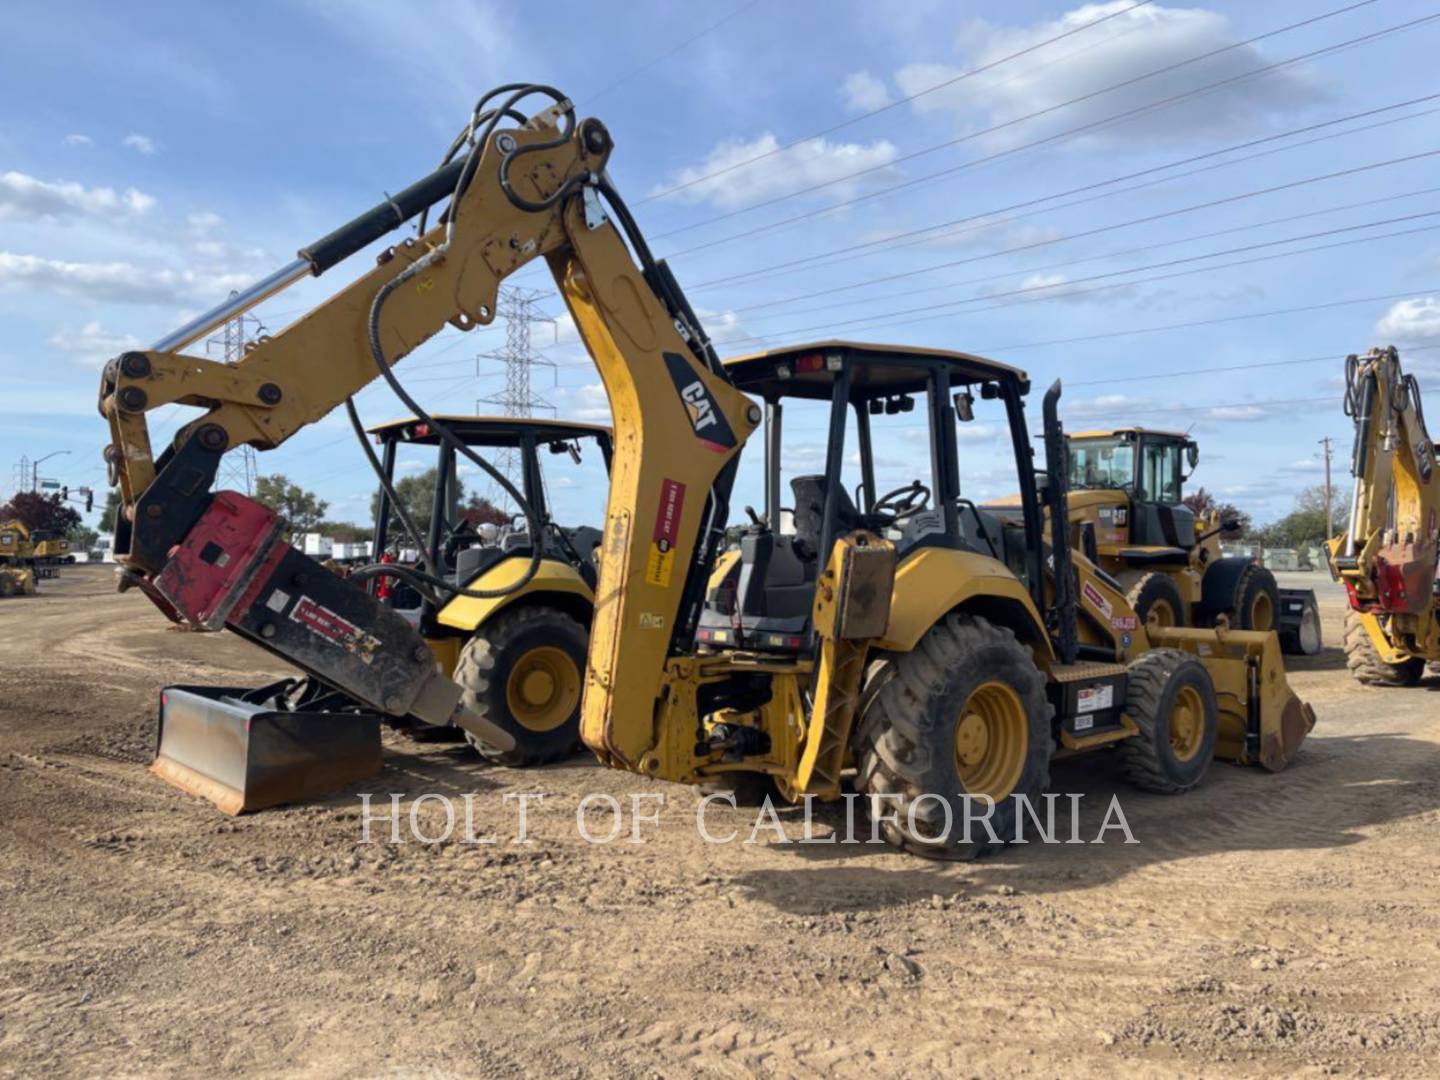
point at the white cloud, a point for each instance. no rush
(28, 198)
(1236, 413)
(78, 140)
(204, 221)
(1410, 321)
(92, 344)
(864, 92)
(586, 402)
(141, 144)
(1130, 45)
(812, 162)
(113, 281)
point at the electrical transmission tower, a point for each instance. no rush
(237, 468)
(519, 308)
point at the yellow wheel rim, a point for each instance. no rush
(1262, 612)
(1161, 614)
(543, 688)
(991, 741)
(1187, 723)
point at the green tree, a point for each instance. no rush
(417, 494)
(83, 538)
(112, 507)
(1306, 525)
(301, 510)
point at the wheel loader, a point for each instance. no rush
(923, 667)
(1126, 498)
(1386, 558)
(519, 656)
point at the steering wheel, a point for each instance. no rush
(903, 501)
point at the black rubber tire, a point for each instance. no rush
(748, 789)
(1157, 586)
(1148, 759)
(7, 585)
(1365, 663)
(905, 745)
(1254, 581)
(485, 665)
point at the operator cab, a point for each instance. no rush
(910, 402)
(1147, 468)
(466, 537)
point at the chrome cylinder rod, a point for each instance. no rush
(237, 305)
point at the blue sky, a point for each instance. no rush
(171, 152)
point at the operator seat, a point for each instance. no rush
(809, 492)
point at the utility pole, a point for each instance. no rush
(518, 307)
(1329, 490)
(237, 468)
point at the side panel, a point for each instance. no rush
(933, 581)
(468, 612)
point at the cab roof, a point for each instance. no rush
(486, 430)
(1111, 433)
(876, 369)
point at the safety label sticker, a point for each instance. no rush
(661, 563)
(1096, 600)
(1125, 622)
(1095, 698)
(322, 622)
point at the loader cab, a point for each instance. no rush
(468, 532)
(1135, 477)
(858, 410)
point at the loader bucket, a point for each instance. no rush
(1261, 720)
(243, 756)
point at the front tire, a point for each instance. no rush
(1257, 600)
(1157, 594)
(523, 671)
(1366, 664)
(963, 714)
(1172, 699)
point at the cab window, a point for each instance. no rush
(1101, 463)
(1160, 472)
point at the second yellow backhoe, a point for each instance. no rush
(1386, 558)
(928, 666)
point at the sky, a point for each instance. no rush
(1188, 214)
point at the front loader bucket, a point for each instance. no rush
(243, 756)
(1261, 720)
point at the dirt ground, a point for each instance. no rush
(1263, 924)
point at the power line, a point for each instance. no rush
(998, 155)
(1079, 100)
(1186, 373)
(1054, 293)
(666, 192)
(1098, 230)
(987, 219)
(1064, 264)
(670, 52)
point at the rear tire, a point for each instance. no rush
(967, 702)
(1172, 699)
(1257, 600)
(1158, 592)
(1365, 663)
(523, 670)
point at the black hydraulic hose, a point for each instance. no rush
(406, 521)
(532, 521)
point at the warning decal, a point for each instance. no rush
(1098, 601)
(661, 562)
(324, 623)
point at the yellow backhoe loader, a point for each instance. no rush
(992, 654)
(17, 560)
(1386, 558)
(519, 656)
(1126, 492)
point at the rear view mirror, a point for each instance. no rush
(1192, 455)
(964, 407)
(1230, 529)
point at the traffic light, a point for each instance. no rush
(65, 493)
(89, 500)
